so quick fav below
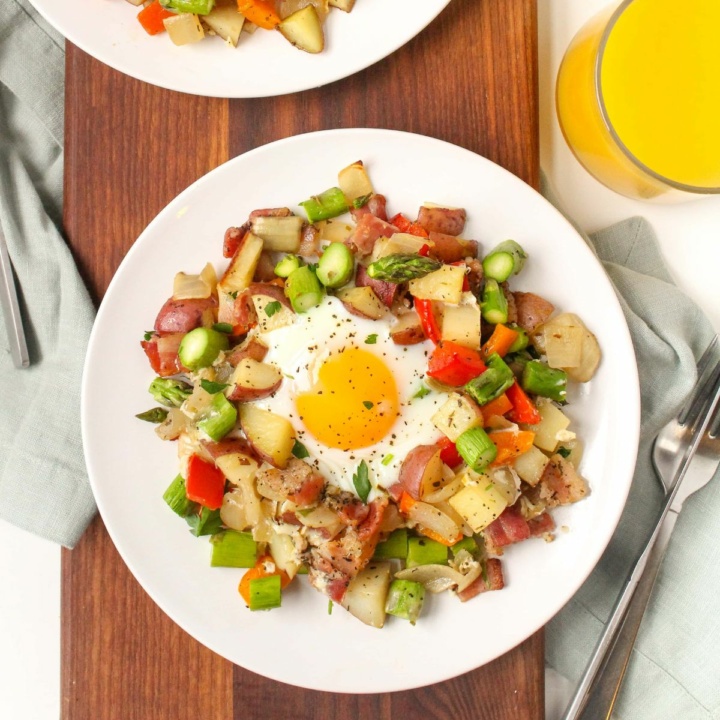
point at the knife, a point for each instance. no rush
(11, 309)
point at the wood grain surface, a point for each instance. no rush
(469, 78)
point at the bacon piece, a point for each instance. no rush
(299, 483)
(251, 348)
(276, 292)
(226, 447)
(560, 483)
(162, 352)
(367, 231)
(386, 291)
(233, 238)
(238, 312)
(511, 527)
(270, 212)
(541, 524)
(376, 206)
(532, 310)
(449, 248)
(310, 241)
(290, 518)
(450, 221)
(396, 490)
(495, 581)
(348, 508)
(327, 578)
(265, 270)
(182, 316)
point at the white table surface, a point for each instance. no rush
(689, 234)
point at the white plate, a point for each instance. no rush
(130, 468)
(263, 64)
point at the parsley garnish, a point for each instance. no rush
(368, 404)
(300, 451)
(361, 481)
(371, 339)
(387, 459)
(272, 307)
(148, 335)
(361, 201)
(421, 393)
(212, 387)
(223, 327)
(565, 452)
(233, 294)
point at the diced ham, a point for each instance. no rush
(233, 238)
(366, 232)
(299, 482)
(386, 291)
(162, 352)
(560, 483)
(495, 581)
(182, 316)
(238, 312)
(290, 518)
(270, 212)
(541, 524)
(369, 528)
(449, 248)
(349, 509)
(376, 206)
(450, 221)
(251, 348)
(511, 527)
(327, 578)
(532, 310)
(310, 241)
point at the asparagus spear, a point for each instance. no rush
(326, 205)
(198, 7)
(303, 289)
(504, 260)
(540, 379)
(491, 383)
(399, 268)
(155, 415)
(405, 599)
(171, 393)
(494, 305)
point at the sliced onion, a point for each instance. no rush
(437, 578)
(507, 482)
(320, 516)
(444, 492)
(190, 287)
(232, 512)
(173, 425)
(432, 518)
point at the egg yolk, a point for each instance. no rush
(354, 403)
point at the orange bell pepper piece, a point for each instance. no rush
(510, 445)
(260, 12)
(151, 18)
(499, 406)
(500, 341)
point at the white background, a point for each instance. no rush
(689, 234)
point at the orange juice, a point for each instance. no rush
(638, 97)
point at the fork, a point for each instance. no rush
(686, 455)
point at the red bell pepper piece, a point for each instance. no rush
(428, 321)
(151, 18)
(424, 250)
(453, 364)
(449, 454)
(205, 483)
(524, 410)
(407, 226)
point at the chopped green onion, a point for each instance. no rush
(476, 448)
(424, 551)
(467, 543)
(154, 415)
(361, 481)
(169, 392)
(491, 383)
(328, 204)
(387, 459)
(540, 379)
(303, 289)
(212, 387)
(197, 7)
(494, 306)
(219, 419)
(299, 450)
(422, 392)
(405, 599)
(336, 265)
(287, 265)
(265, 593)
(200, 347)
(233, 549)
(208, 522)
(177, 499)
(371, 339)
(226, 328)
(395, 546)
(330, 607)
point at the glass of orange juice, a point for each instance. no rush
(638, 98)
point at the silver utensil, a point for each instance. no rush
(11, 309)
(686, 455)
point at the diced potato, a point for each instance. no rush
(398, 244)
(253, 380)
(184, 29)
(304, 30)
(354, 181)
(242, 267)
(271, 435)
(367, 592)
(280, 318)
(333, 230)
(576, 451)
(531, 465)
(241, 508)
(346, 5)
(444, 284)
(237, 467)
(249, 27)
(589, 348)
(363, 301)
(563, 345)
(283, 551)
(479, 504)
(288, 7)
(136, 2)
(461, 324)
(279, 234)
(553, 421)
(458, 414)
(226, 22)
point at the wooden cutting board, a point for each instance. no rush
(470, 78)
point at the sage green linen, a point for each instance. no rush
(43, 482)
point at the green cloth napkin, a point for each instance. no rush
(674, 673)
(43, 482)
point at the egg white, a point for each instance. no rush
(300, 349)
